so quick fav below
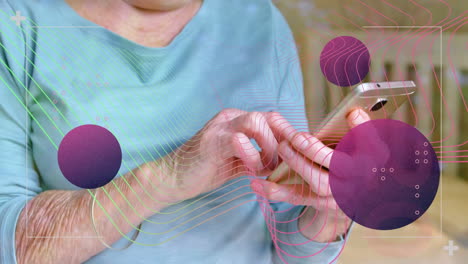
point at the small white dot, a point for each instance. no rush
(426, 144)
(416, 161)
(416, 195)
(416, 187)
(374, 170)
(416, 152)
(382, 169)
(417, 212)
(392, 170)
(382, 178)
(426, 161)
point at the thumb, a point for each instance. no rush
(357, 117)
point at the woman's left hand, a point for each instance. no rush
(310, 159)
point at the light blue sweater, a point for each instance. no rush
(59, 71)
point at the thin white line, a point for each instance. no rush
(402, 27)
(401, 236)
(28, 127)
(441, 125)
(66, 26)
(27, 152)
(63, 237)
(441, 114)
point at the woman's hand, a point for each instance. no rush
(221, 151)
(310, 159)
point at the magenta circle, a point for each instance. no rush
(383, 143)
(345, 61)
(89, 156)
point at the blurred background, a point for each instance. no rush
(421, 40)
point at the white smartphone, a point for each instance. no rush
(378, 99)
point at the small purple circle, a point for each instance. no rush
(89, 156)
(383, 143)
(345, 61)
(416, 195)
(382, 178)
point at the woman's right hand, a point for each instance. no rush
(221, 151)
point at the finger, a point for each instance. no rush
(280, 126)
(312, 148)
(316, 177)
(357, 117)
(297, 194)
(254, 125)
(245, 150)
(284, 175)
(376, 146)
(238, 146)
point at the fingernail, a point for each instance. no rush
(269, 189)
(354, 114)
(357, 117)
(272, 190)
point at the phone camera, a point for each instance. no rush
(381, 103)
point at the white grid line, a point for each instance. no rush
(441, 126)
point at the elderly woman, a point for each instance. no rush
(188, 87)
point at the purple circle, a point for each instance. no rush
(89, 156)
(383, 143)
(345, 61)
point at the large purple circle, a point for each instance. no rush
(89, 156)
(345, 61)
(384, 174)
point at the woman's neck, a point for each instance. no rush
(152, 28)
